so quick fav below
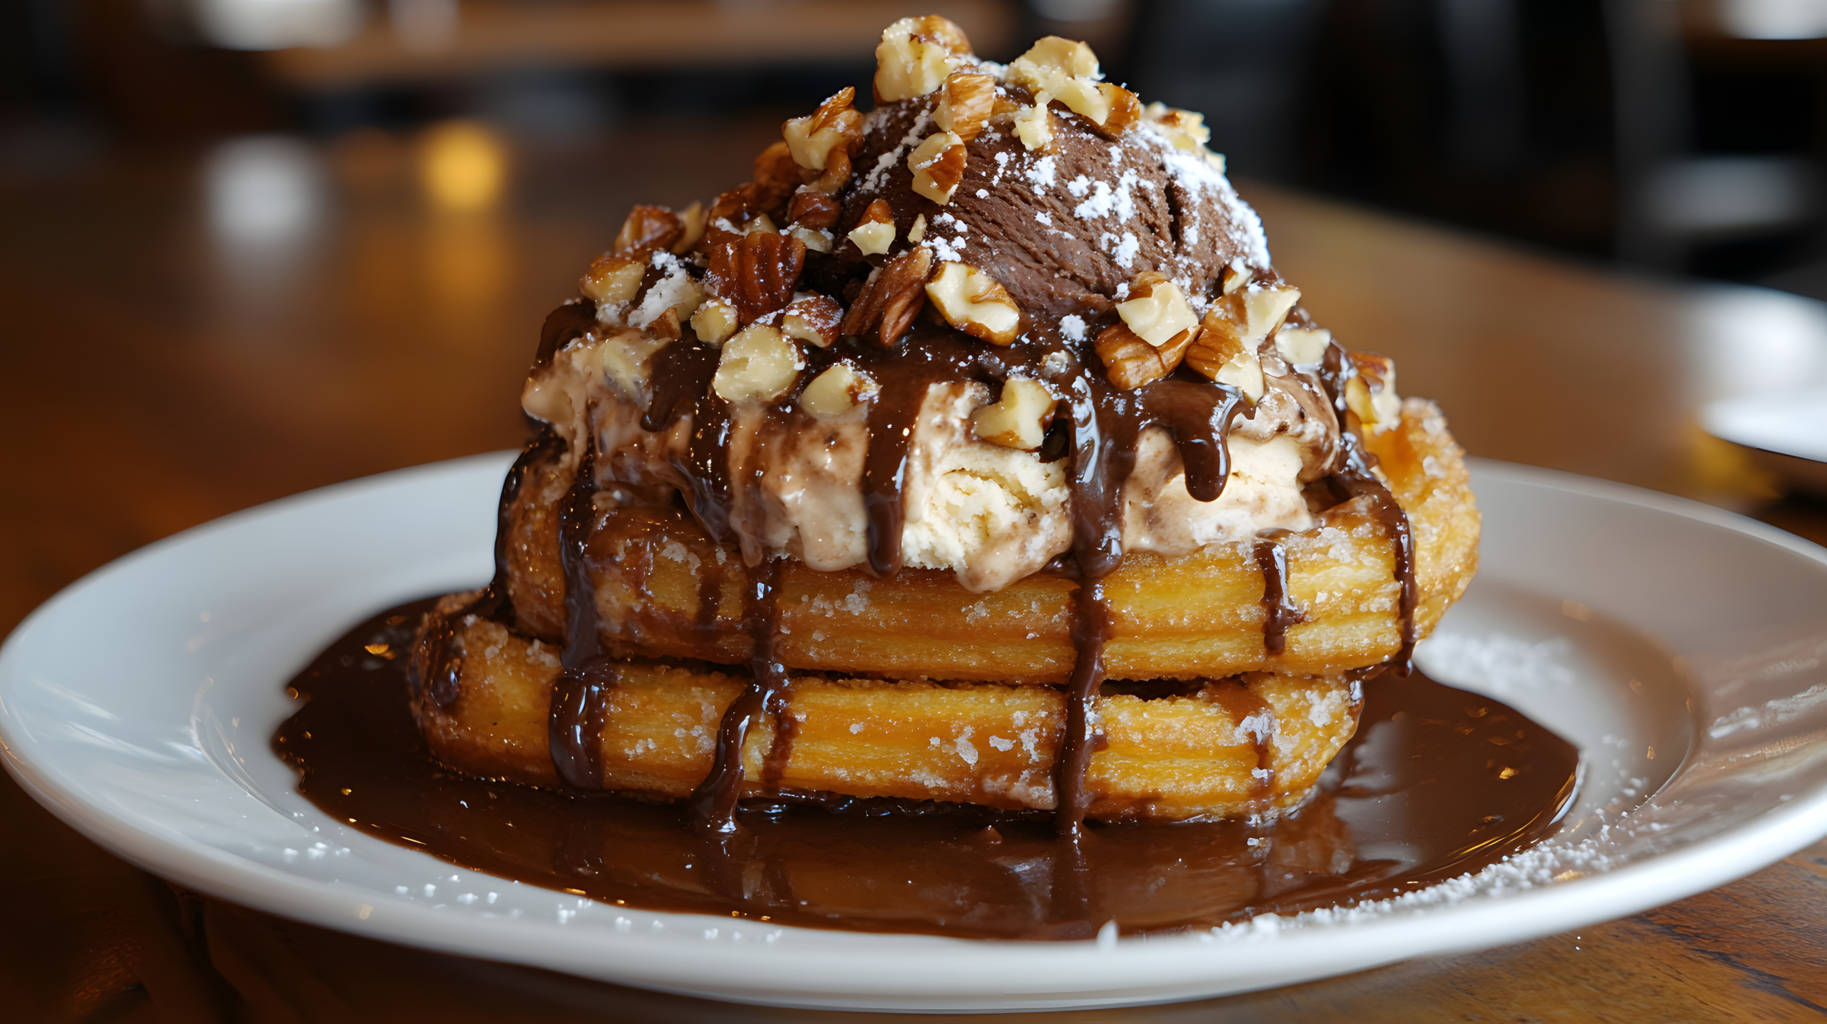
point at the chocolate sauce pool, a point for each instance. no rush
(1437, 783)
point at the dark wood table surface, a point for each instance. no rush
(191, 334)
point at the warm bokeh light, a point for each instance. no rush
(463, 165)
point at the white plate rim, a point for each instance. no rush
(1129, 970)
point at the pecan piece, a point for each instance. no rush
(813, 209)
(891, 297)
(757, 272)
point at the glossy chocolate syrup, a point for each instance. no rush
(1278, 608)
(1437, 783)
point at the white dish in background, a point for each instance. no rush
(1682, 648)
(1786, 434)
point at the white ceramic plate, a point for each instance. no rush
(1683, 649)
(1784, 433)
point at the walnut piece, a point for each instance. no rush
(813, 319)
(836, 391)
(1302, 346)
(918, 230)
(758, 364)
(648, 228)
(874, 233)
(1371, 391)
(965, 103)
(1156, 310)
(1034, 125)
(975, 303)
(714, 321)
(1019, 418)
(625, 357)
(915, 55)
(938, 166)
(892, 296)
(1225, 348)
(1066, 71)
(1130, 362)
(612, 279)
(824, 139)
(692, 220)
(1184, 128)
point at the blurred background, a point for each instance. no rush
(1680, 136)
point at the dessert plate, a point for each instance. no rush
(1683, 649)
(1784, 433)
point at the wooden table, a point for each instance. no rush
(195, 334)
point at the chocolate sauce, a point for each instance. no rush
(575, 723)
(492, 602)
(1278, 608)
(1437, 783)
(713, 803)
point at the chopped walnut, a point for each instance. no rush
(1302, 346)
(975, 303)
(938, 166)
(1184, 128)
(915, 55)
(891, 297)
(824, 139)
(758, 364)
(1233, 328)
(836, 391)
(1156, 310)
(1034, 125)
(1019, 418)
(625, 357)
(874, 233)
(777, 174)
(714, 321)
(691, 220)
(1371, 391)
(965, 104)
(918, 230)
(648, 228)
(813, 319)
(612, 279)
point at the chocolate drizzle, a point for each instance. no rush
(1278, 608)
(575, 725)
(1353, 476)
(713, 803)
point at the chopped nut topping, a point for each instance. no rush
(648, 228)
(814, 241)
(824, 140)
(1235, 276)
(1156, 310)
(613, 279)
(1058, 53)
(1019, 418)
(625, 356)
(1302, 346)
(714, 322)
(874, 234)
(758, 364)
(737, 206)
(836, 391)
(1034, 125)
(965, 104)
(1224, 349)
(757, 272)
(975, 303)
(892, 296)
(915, 55)
(1130, 362)
(814, 209)
(1371, 391)
(813, 319)
(938, 166)
(777, 174)
(1185, 129)
(1121, 108)
(692, 220)
(918, 231)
